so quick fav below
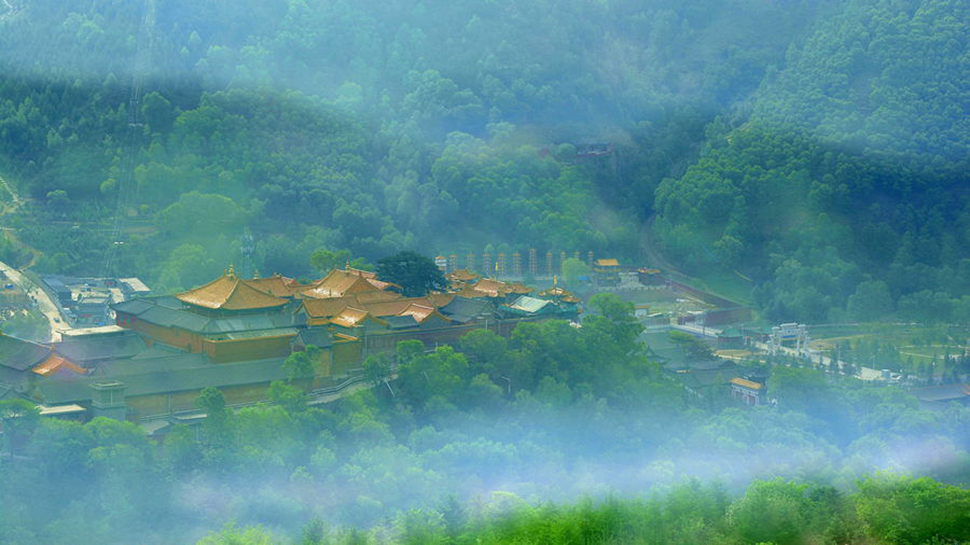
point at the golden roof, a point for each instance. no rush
(54, 363)
(371, 277)
(520, 288)
(360, 272)
(368, 297)
(492, 288)
(470, 292)
(560, 293)
(337, 284)
(340, 282)
(462, 275)
(488, 287)
(349, 317)
(382, 285)
(276, 285)
(339, 310)
(555, 291)
(326, 308)
(746, 383)
(228, 292)
(607, 263)
(439, 300)
(421, 313)
(394, 308)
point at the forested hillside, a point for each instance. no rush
(816, 147)
(848, 180)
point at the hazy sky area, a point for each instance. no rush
(805, 159)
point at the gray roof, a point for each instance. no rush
(135, 306)
(56, 284)
(529, 304)
(134, 284)
(316, 336)
(19, 354)
(462, 309)
(167, 312)
(401, 322)
(717, 364)
(186, 372)
(139, 366)
(703, 379)
(101, 347)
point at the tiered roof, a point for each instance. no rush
(487, 287)
(559, 293)
(339, 283)
(276, 285)
(229, 292)
(349, 317)
(57, 363)
(751, 385)
(461, 276)
(351, 310)
(345, 297)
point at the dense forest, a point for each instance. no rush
(815, 152)
(487, 438)
(817, 148)
(885, 509)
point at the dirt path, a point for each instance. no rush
(17, 202)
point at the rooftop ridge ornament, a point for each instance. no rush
(231, 271)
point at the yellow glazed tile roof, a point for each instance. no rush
(746, 383)
(228, 292)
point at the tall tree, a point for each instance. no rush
(416, 274)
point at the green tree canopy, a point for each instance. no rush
(416, 274)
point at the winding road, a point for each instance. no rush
(44, 303)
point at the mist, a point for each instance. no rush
(804, 160)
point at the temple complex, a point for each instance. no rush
(234, 333)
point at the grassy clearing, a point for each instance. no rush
(830, 342)
(926, 354)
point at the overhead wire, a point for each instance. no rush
(142, 65)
